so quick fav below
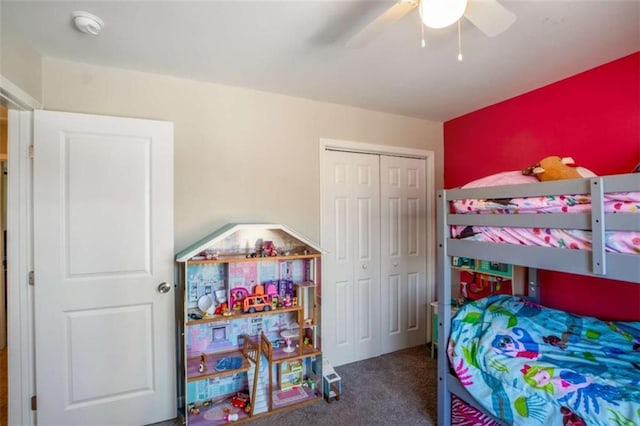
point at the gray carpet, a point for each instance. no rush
(394, 389)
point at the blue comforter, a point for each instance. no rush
(528, 365)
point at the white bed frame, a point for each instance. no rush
(625, 267)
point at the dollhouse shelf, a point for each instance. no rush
(279, 356)
(193, 363)
(242, 258)
(234, 316)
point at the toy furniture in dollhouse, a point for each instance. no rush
(288, 336)
(290, 374)
(331, 383)
(252, 305)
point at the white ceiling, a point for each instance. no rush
(297, 48)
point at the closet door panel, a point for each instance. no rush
(351, 226)
(343, 312)
(364, 302)
(413, 304)
(393, 300)
(403, 255)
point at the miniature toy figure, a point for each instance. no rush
(210, 254)
(193, 410)
(221, 309)
(231, 417)
(269, 249)
(203, 364)
(286, 302)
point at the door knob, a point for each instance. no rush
(164, 288)
(364, 266)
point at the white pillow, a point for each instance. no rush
(502, 178)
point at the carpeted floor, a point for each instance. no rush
(394, 389)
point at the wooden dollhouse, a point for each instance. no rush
(256, 347)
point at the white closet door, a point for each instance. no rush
(403, 252)
(351, 285)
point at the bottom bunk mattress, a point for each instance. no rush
(528, 364)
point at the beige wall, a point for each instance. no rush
(20, 63)
(240, 155)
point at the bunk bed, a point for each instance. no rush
(594, 257)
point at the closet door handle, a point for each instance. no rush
(364, 266)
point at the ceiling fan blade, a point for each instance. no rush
(489, 16)
(380, 24)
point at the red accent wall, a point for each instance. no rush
(593, 117)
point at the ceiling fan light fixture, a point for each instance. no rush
(441, 13)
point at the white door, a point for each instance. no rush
(403, 252)
(103, 246)
(351, 285)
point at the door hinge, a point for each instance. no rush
(34, 403)
(30, 151)
(32, 278)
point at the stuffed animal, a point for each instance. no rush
(556, 168)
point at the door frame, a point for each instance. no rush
(430, 227)
(20, 326)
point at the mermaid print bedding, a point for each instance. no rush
(528, 364)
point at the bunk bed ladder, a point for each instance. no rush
(597, 226)
(444, 314)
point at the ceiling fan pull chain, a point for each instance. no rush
(459, 42)
(423, 43)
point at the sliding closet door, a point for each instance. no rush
(351, 284)
(403, 257)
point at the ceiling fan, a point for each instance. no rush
(488, 15)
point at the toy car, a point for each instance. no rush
(240, 400)
(255, 303)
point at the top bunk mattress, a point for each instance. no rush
(627, 242)
(617, 202)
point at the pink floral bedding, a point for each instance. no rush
(619, 242)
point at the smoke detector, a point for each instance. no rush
(87, 23)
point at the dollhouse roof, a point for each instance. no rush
(243, 238)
